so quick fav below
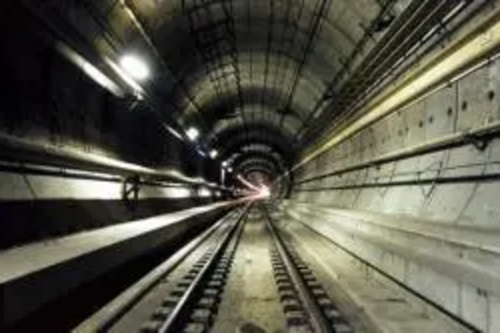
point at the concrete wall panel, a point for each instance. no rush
(35, 207)
(450, 192)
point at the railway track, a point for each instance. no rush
(307, 306)
(185, 292)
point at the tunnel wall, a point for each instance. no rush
(49, 100)
(53, 100)
(49, 103)
(37, 207)
(416, 194)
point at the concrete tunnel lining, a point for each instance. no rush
(374, 123)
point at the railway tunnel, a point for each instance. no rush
(250, 166)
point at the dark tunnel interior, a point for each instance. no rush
(359, 137)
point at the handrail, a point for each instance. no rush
(15, 149)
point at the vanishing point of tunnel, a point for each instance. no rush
(250, 166)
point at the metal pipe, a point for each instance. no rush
(475, 136)
(24, 151)
(464, 52)
(412, 182)
(353, 56)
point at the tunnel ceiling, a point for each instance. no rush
(248, 73)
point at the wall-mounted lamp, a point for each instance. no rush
(135, 67)
(214, 153)
(192, 133)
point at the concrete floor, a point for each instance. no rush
(251, 294)
(250, 301)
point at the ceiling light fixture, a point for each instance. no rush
(192, 133)
(135, 67)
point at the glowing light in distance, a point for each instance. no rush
(214, 153)
(225, 164)
(247, 183)
(264, 192)
(192, 133)
(204, 193)
(135, 67)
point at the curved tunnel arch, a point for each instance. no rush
(253, 97)
(250, 73)
(234, 138)
(253, 88)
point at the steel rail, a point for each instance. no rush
(171, 323)
(107, 316)
(316, 317)
(452, 316)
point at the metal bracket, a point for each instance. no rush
(479, 142)
(130, 190)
